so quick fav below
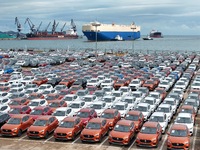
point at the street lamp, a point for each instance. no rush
(133, 39)
(96, 24)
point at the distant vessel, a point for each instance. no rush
(35, 34)
(5, 36)
(156, 34)
(147, 38)
(110, 32)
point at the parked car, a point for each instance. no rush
(68, 128)
(4, 117)
(126, 127)
(95, 130)
(42, 127)
(62, 112)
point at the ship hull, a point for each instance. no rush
(110, 36)
(50, 37)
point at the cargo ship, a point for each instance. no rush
(95, 31)
(35, 34)
(156, 34)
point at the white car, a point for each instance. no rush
(157, 96)
(48, 91)
(138, 95)
(195, 85)
(186, 119)
(108, 90)
(126, 90)
(27, 80)
(4, 108)
(172, 102)
(164, 84)
(99, 107)
(60, 87)
(89, 99)
(151, 101)
(167, 109)
(135, 84)
(43, 87)
(77, 105)
(118, 95)
(122, 107)
(69, 98)
(5, 100)
(145, 109)
(17, 85)
(193, 102)
(37, 102)
(82, 93)
(62, 112)
(181, 85)
(161, 118)
(107, 82)
(131, 100)
(109, 100)
(179, 91)
(94, 82)
(30, 86)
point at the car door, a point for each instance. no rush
(104, 127)
(24, 123)
(52, 124)
(78, 126)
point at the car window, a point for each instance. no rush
(25, 118)
(42, 102)
(78, 120)
(62, 102)
(3, 108)
(25, 108)
(115, 113)
(104, 104)
(103, 123)
(46, 109)
(68, 111)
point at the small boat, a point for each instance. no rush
(147, 38)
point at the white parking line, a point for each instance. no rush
(22, 137)
(103, 142)
(47, 139)
(132, 144)
(194, 140)
(75, 140)
(165, 138)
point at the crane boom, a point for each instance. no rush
(63, 27)
(19, 27)
(38, 28)
(31, 25)
(47, 27)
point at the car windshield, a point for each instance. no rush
(99, 94)
(184, 120)
(83, 114)
(107, 115)
(87, 99)
(163, 109)
(31, 97)
(119, 107)
(148, 130)
(59, 113)
(191, 103)
(96, 106)
(116, 94)
(75, 105)
(122, 128)
(34, 104)
(156, 119)
(178, 133)
(169, 102)
(14, 103)
(67, 98)
(93, 125)
(149, 102)
(187, 111)
(81, 93)
(135, 82)
(54, 105)
(108, 100)
(132, 117)
(15, 111)
(130, 101)
(67, 124)
(14, 121)
(40, 123)
(36, 112)
(141, 108)
(50, 98)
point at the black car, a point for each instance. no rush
(82, 82)
(3, 118)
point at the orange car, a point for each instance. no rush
(178, 137)
(119, 83)
(95, 130)
(150, 84)
(112, 116)
(42, 127)
(67, 81)
(123, 133)
(137, 117)
(16, 125)
(68, 128)
(162, 92)
(149, 135)
(40, 80)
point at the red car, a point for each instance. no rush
(86, 114)
(112, 116)
(67, 81)
(40, 80)
(119, 83)
(68, 129)
(137, 117)
(150, 84)
(16, 125)
(19, 109)
(42, 127)
(39, 111)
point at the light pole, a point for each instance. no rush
(133, 39)
(96, 24)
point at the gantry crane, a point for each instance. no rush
(73, 25)
(54, 26)
(31, 25)
(19, 27)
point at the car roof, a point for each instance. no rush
(184, 115)
(179, 127)
(45, 117)
(70, 118)
(158, 114)
(124, 122)
(62, 108)
(187, 107)
(164, 105)
(85, 109)
(40, 107)
(150, 124)
(19, 115)
(134, 112)
(97, 120)
(109, 110)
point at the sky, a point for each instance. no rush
(171, 17)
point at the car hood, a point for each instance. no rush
(10, 126)
(174, 139)
(146, 136)
(35, 116)
(63, 130)
(119, 134)
(84, 119)
(90, 131)
(37, 128)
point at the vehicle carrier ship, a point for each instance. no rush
(110, 32)
(156, 34)
(35, 34)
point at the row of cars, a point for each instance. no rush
(150, 103)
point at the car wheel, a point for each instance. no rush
(19, 133)
(100, 139)
(46, 135)
(160, 138)
(73, 137)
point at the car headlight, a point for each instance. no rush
(14, 130)
(137, 138)
(169, 142)
(85, 122)
(42, 131)
(154, 140)
(96, 135)
(69, 133)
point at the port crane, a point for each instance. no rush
(19, 27)
(47, 27)
(63, 27)
(38, 28)
(54, 26)
(31, 25)
(73, 25)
